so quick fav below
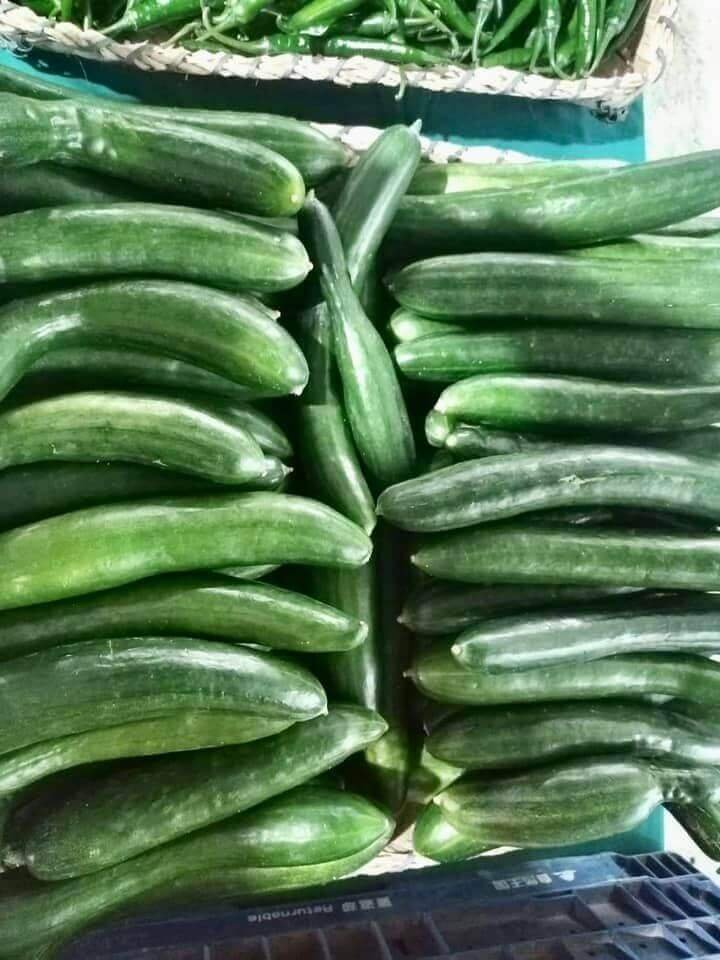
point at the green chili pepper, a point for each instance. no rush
(586, 34)
(417, 10)
(483, 9)
(273, 45)
(144, 14)
(389, 51)
(376, 25)
(454, 16)
(550, 23)
(619, 15)
(320, 12)
(516, 59)
(512, 22)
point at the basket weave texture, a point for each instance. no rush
(21, 29)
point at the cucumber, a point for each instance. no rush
(529, 287)
(160, 799)
(435, 838)
(256, 572)
(533, 734)
(439, 608)
(157, 431)
(370, 198)
(178, 731)
(374, 403)
(103, 547)
(599, 206)
(406, 326)
(195, 605)
(701, 820)
(308, 837)
(610, 353)
(520, 553)
(314, 154)
(47, 185)
(704, 226)
(574, 634)
(234, 337)
(461, 177)
(328, 454)
(102, 683)
(438, 675)
(205, 167)
(494, 488)
(94, 240)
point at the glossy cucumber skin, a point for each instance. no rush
(108, 546)
(305, 838)
(553, 402)
(495, 488)
(439, 676)
(528, 554)
(144, 238)
(329, 455)
(439, 608)
(138, 428)
(532, 287)
(48, 185)
(198, 605)
(234, 337)
(612, 353)
(599, 206)
(406, 327)
(163, 798)
(432, 179)
(574, 634)
(532, 734)
(206, 167)
(179, 731)
(556, 805)
(102, 683)
(370, 198)
(374, 404)
(435, 838)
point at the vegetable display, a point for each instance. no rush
(278, 498)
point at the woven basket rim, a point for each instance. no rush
(22, 29)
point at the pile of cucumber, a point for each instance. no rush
(256, 526)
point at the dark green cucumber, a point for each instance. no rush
(435, 838)
(598, 206)
(533, 734)
(329, 456)
(101, 683)
(104, 547)
(572, 634)
(183, 730)
(374, 404)
(93, 240)
(494, 488)
(314, 154)
(439, 608)
(438, 675)
(701, 820)
(163, 798)
(47, 185)
(306, 838)
(531, 287)
(516, 400)
(611, 353)
(198, 605)
(203, 166)
(441, 178)
(234, 337)
(370, 198)
(527, 554)
(157, 431)
(406, 326)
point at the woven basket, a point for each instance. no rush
(643, 63)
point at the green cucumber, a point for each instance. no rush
(530, 287)
(160, 799)
(704, 226)
(516, 400)
(102, 683)
(309, 837)
(573, 634)
(374, 403)
(47, 185)
(527, 554)
(205, 167)
(198, 605)
(461, 177)
(599, 206)
(234, 337)
(329, 456)
(108, 546)
(157, 431)
(179, 731)
(435, 838)
(494, 488)
(315, 155)
(438, 675)
(701, 820)
(406, 326)
(610, 353)
(93, 240)
(370, 198)
(439, 608)
(529, 735)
